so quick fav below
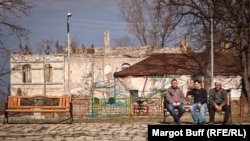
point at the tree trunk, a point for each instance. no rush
(246, 84)
(207, 77)
(248, 65)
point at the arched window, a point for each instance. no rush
(125, 65)
(19, 91)
(26, 73)
(48, 73)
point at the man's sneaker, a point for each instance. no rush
(202, 123)
(179, 123)
(173, 123)
(211, 123)
(225, 123)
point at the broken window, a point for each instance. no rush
(26, 73)
(48, 73)
(19, 91)
(125, 65)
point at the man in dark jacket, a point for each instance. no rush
(200, 102)
(218, 102)
(174, 100)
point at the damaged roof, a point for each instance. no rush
(160, 64)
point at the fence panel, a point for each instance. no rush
(115, 107)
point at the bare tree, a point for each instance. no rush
(153, 22)
(10, 10)
(238, 13)
(148, 21)
(231, 29)
(59, 48)
(132, 11)
(25, 49)
(124, 41)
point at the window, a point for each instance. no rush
(125, 65)
(19, 91)
(26, 73)
(48, 73)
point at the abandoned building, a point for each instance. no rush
(111, 75)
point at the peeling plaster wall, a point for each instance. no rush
(93, 74)
(151, 86)
(104, 68)
(36, 86)
(81, 74)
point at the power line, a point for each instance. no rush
(99, 22)
(99, 26)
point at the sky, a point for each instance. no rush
(89, 20)
(48, 21)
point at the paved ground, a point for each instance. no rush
(101, 130)
(74, 132)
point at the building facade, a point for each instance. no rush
(92, 75)
(48, 74)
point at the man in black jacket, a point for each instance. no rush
(200, 102)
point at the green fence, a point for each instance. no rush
(117, 107)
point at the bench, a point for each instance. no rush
(38, 104)
(166, 112)
(187, 105)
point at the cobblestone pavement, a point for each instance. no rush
(74, 132)
(79, 131)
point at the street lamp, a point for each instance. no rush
(68, 40)
(212, 54)
(44, 78)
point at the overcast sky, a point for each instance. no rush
(90, 18)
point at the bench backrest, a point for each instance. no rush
(39, 101)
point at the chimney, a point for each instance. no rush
(106, 39)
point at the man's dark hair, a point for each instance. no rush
(198, 81)
(173, 80)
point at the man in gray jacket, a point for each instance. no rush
(174, 100)
(218, 98)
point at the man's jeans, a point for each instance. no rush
(201, 117)
(172, 112)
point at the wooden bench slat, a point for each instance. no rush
(187, 109)
(32, 110)
(37, 104)
(39, 95)
(34, 107)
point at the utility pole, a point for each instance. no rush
(68, 38)
(212, 53)
(44, 78)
